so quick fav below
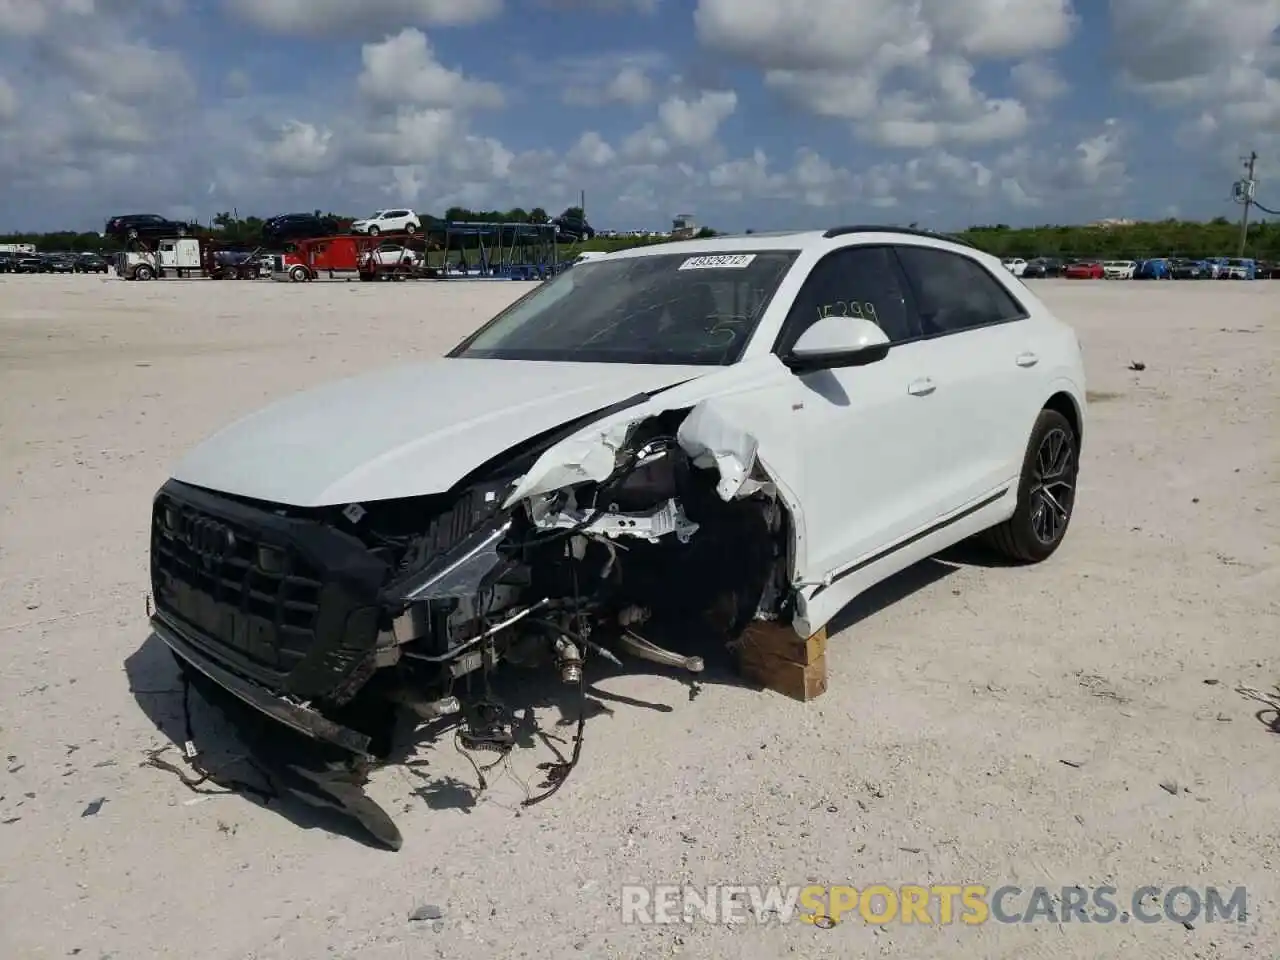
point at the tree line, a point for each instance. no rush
(1179, 238)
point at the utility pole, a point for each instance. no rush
(1249, 164)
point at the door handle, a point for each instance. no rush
(1026, 360)
(922, 388)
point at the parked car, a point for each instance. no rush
(147, 226)
(30, 263)
(7, 261)
(1119, 269)
(90, 263)
(669, 430)
(1240, 268)
(1188, 270)
(62, 263)
(1042, 267)
(1015, 265)
(388, 221)
(1084, 270)
(287, 227)
(1156, 268)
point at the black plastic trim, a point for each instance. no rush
(914, 538)
(905, 231)
(301, 719)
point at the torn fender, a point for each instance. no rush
(709, 438)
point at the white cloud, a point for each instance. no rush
(1091, 170)
(132, 72)
(591, 151)
(1038, 81)
(683, 125)
(302, 149)
(402, 69)
(901, 73)
(333, 17)
(618, 77)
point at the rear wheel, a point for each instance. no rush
(374, 231)
(1046, 492)
(143, 272)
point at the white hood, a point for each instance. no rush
(406, 431)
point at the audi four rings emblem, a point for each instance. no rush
(209, 539)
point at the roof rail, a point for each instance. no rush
(908, 231)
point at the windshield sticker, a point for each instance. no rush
(724, 261)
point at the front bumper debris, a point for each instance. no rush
(297, 717)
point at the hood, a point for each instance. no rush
(408, 431)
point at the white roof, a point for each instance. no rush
(798, 240)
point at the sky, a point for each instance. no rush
(746, 114)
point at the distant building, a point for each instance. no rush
(1114, 222)
(683, 227)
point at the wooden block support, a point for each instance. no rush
(772, 655)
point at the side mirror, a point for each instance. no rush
(835, 342)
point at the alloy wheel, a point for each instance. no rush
(1053, 486)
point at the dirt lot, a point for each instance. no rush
(983, 725)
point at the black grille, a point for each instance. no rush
(286, 601)
(259, 599)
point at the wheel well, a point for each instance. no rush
(1064, 404)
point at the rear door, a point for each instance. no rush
(982, 354)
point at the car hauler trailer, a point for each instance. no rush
(370, 258)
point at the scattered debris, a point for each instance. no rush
(1169, 787)
(909, 849)
(1188, 924)
(824, 922)
(1211, 682)
(428, 911)
(94, 806)
(1137, 365)
(1072, 763)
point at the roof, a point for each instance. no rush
(785, 240)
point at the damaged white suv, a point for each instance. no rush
(657, 444)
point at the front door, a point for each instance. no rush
(849, 445)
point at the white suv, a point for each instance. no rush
(1015, 265)
(388, 221)
(758, 427)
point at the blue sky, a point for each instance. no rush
(746, 113)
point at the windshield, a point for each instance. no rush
(664, 308)
(378, 215)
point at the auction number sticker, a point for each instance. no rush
(730, 261)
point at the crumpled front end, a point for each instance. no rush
(645, 537)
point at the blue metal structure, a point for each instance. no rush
(502, 251)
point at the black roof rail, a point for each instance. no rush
(908, 231)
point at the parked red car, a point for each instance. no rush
(1083, 271)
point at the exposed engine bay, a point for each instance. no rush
(333, 619)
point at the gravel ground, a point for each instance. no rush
(988, 725)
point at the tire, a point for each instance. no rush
(299, 274)
(143, 272)
(411, 228)
(1036, 529)
(374, 231)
